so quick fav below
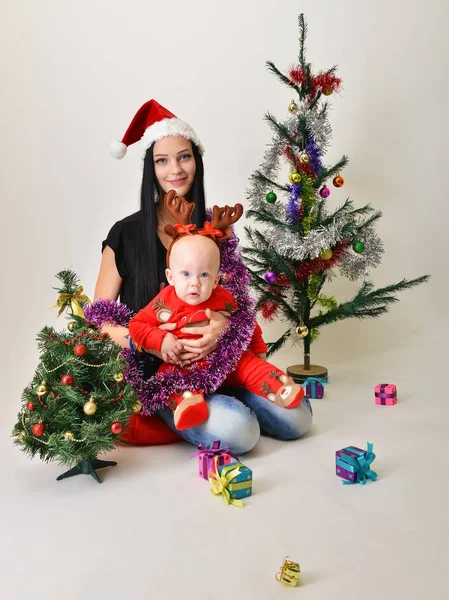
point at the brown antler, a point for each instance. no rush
(223, 217)
(180, 210)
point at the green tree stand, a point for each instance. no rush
(87, 467)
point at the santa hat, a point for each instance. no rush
(153, 122)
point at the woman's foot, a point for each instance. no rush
(191, 410)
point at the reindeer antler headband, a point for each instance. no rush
(219, 229)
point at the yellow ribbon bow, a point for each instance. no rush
(74, 300)
(220, 485)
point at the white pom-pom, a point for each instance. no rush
(117, 149)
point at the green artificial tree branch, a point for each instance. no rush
(367, 302)
(277, 345)
(283, 132)
(263, 216)
(302, 40)
(272, 67)
(261, 177)
(327, 173)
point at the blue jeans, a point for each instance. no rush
(237, 417)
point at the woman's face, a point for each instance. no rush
(174, 164)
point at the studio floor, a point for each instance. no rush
(152, 529)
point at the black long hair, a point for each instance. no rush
(147, 273)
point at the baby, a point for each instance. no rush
(193, 273)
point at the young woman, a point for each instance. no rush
(133, 269)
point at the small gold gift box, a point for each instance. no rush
(289, 573)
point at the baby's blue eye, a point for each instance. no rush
(204, 274)
(185, 273)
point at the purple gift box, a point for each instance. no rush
(209, 459)
(314, 387)
(344, 469)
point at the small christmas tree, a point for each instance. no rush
(78, 402)
(303, 241)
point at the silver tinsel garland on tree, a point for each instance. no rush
(287, 242)
(353, 265)
(289, 245)
(319, 127)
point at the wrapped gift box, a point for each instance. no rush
(386, 394)
(290, 572)
(353, 464)
(207, 456)
(241, 485)
(314, 387)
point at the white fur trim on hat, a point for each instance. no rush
(170, 127)
(117, 149)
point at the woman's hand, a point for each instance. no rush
(194, 350)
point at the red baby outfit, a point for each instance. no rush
(168, 308)
(252, 373)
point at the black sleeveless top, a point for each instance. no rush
(123, 238)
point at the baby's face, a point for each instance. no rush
(194, 268)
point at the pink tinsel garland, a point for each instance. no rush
(154, 392)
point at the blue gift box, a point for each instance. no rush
(240, 485)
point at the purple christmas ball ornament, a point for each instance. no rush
(325, 192)
(270, 276)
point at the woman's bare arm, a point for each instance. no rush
(108, 287)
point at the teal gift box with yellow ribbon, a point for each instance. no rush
(241, 484)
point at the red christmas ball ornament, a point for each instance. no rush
(67, 379)
(30, 406)
(116, 427)
(38, 429)
(79, 350)
(338, 181)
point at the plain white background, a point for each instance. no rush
(73, 75)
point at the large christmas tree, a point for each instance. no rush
(304, 240)
(78, 402)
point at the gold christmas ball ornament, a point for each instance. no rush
(118, 377)
(293, 108)
(71, 325)
(327, 91)
(68, 435)
(42, 389)
(326, 254)
(137, 406)
(294, 177)
(304, 158)
(90, 408)
(21, 436)
(302, 331)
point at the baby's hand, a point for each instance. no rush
(171, 349)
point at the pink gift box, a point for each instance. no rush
(209, 459)
(386, 394)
